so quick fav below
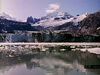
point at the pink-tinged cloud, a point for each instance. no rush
(53, 8)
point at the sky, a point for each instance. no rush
(21, 9)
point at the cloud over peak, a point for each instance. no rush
(53, 8)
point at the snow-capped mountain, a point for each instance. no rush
(4, 15)
(54, 19)
(60, 15)
(59, 18)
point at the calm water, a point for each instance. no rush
(51, 63)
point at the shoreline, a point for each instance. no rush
(52, 43)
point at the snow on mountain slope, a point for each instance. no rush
(3, 15)
(80, 18)
(53, 23)
(54, 19)
(59, 18)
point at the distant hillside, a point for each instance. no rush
(9, 26)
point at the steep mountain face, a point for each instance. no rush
(82, 25)
(91, 24)
(70, 25)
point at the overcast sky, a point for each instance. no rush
(21, 9)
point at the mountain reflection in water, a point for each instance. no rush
(51, 63)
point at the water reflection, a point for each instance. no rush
(51, 63)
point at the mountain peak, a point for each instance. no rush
(4, 15)
(59, 14)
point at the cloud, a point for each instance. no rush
(53, 8)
